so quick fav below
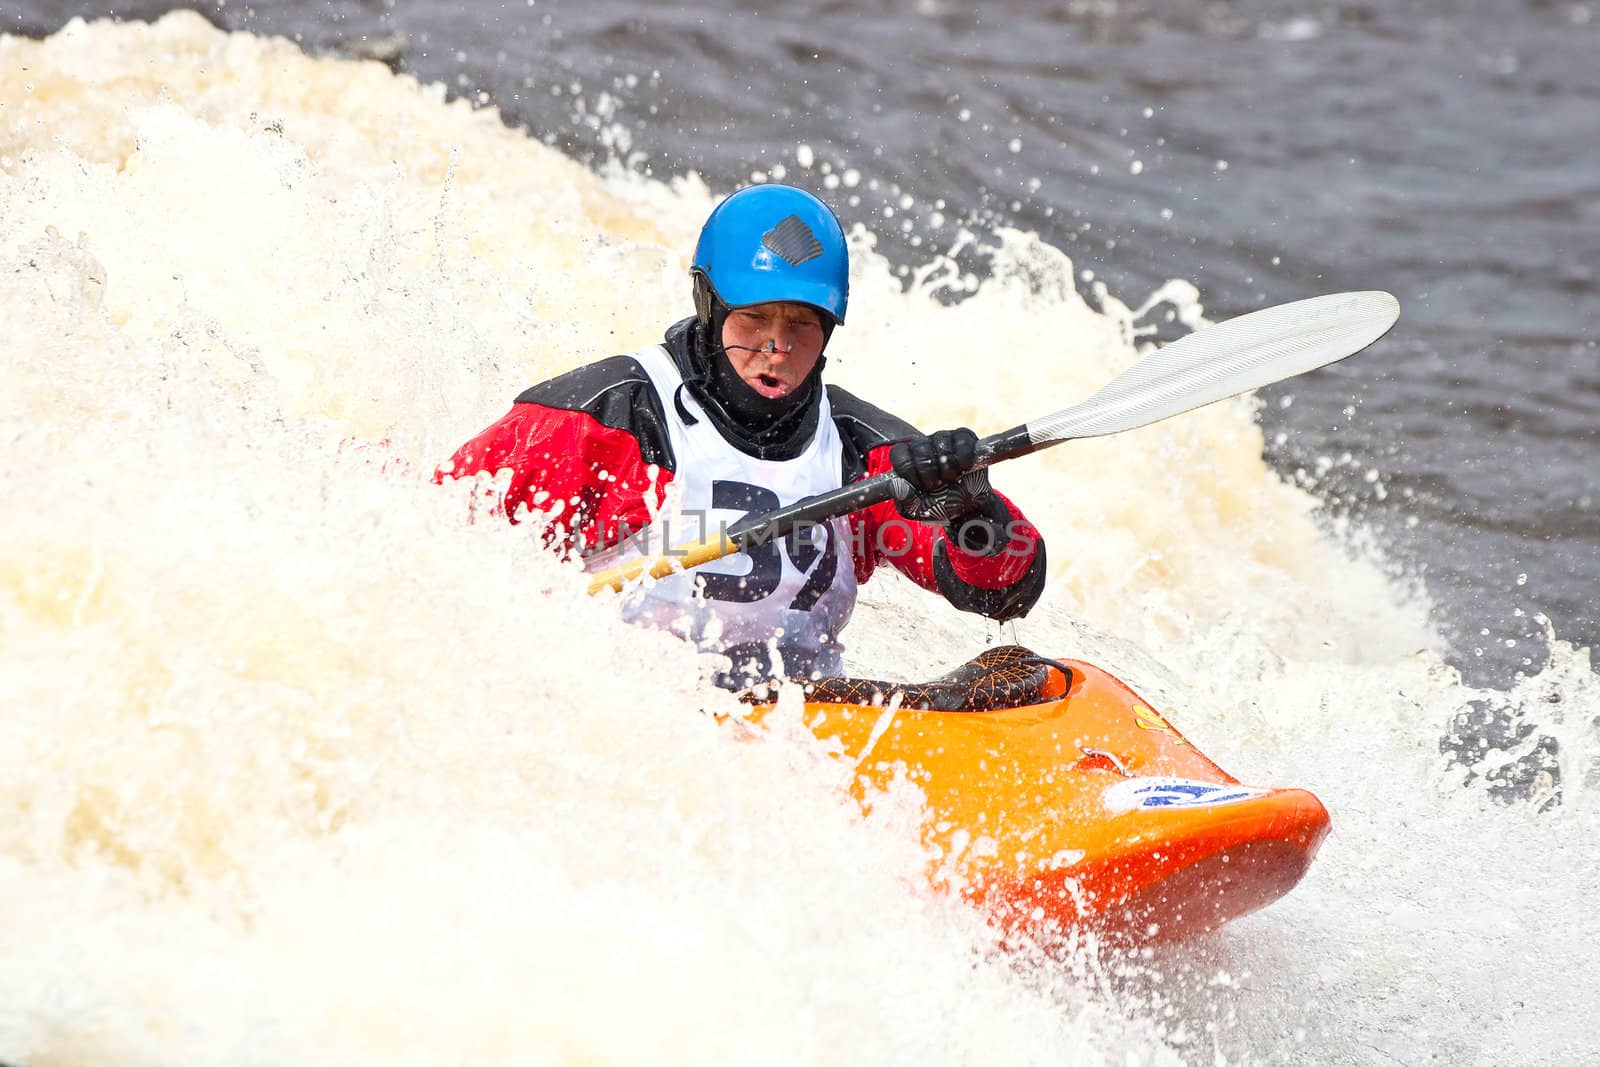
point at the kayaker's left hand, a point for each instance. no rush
(932, 461)
(946, 490)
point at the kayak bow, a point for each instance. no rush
(1083, 809)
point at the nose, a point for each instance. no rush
(782, 339)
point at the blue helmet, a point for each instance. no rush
(775, 243)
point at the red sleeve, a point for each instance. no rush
(588, 477)
(879, 534)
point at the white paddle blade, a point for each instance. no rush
(1224, 360)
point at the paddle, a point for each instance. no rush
(1211, 364)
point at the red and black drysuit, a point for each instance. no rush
(592, 447)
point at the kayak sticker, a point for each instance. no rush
(1139, 793)
(1150, 719)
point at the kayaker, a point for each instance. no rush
(729, 410)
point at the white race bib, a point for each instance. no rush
(794, 594)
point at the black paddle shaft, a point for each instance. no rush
(1218, 361)
(867, 492)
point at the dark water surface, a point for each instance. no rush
(1446, 151)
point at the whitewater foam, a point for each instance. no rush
(303, 764)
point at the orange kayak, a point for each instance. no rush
(1082, 809)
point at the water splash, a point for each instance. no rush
(304, 764)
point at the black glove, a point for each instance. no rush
(945, 489)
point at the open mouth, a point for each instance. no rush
(769, 385)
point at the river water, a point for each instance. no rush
(303, 766)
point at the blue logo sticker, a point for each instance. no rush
(1137, 793)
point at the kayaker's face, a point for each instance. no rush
(773, 346)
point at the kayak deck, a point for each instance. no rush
(1087, 810)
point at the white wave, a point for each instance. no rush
(302, 765)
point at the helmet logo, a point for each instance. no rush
(793, 240)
